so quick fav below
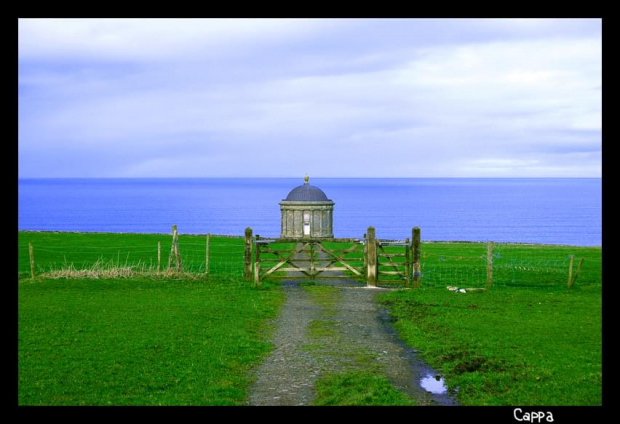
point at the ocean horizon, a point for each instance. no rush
(566, 211)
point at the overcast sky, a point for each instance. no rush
(327, 97)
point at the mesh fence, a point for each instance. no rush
(510, 264)
(458, 264)
(144, 254)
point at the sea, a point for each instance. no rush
(565, 211)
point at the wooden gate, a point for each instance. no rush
(307, 259)
(368, 259)
(393, 260)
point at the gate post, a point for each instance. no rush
(247, 262)
(371, 258)
(416, 257)
(365, 256)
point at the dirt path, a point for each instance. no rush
(337, 329)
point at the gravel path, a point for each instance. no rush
(343, 331)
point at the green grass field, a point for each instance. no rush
(193, 339)
(508, 346)
(141, 341)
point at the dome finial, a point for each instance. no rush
(306, 179)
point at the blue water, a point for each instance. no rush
(554, 211)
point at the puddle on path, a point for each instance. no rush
(434, 384)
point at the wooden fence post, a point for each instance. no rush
(571, 282)
(31, 253)
(247, 262)
(158, 256)
(371, 258)
(257, 264)
(570, 271)
(171, 256)
(177, 252)
(490, 264)
(174, 250)
(416, 256)
(207, 255)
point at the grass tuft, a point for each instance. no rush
(358, 388)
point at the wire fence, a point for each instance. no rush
(442, 264)
(220, 256)
(510, 264)
(459, 270)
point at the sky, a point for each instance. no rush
(326, 97)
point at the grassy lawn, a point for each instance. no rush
(508, 346)
(358, 388)
(140, 341)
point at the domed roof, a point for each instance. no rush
(307, 193)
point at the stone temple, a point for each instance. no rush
(307, 213)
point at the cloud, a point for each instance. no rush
(147, 39)
(268, 97)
